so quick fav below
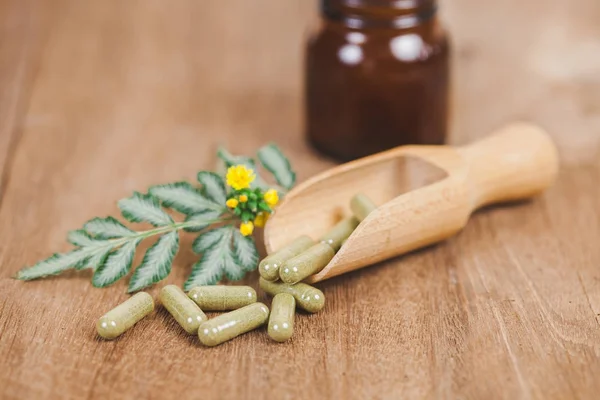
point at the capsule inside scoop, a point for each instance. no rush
(314, 207)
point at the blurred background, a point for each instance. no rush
(235, 69)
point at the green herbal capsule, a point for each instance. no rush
(281, 320)
(228, 326)
(125, 315)
(185, 311)
(222, 298)
(307, 297)
(269, 267)
(306, 263)
(361, 206)
(340, 232)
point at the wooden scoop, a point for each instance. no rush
(425, 194)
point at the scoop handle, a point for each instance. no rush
(517, 162)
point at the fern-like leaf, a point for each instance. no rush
(208, 239)
(144, 208)
(108, 247)
(230, 159)
(80, 238)
(95, 260)
(157, 262)
(202, 220)
(276, 163)
(55, 264)
(183, 197)
(107, 228)
(203, 274)
(246, 253)
(218, 258)
(213, 186)
(116, 265)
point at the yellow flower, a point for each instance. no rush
(240, 177)
(246, 228)
(261, 219)
(243, 198)
(231, 203)
(271, 197)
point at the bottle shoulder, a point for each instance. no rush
(405, 46)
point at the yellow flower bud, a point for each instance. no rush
(246, 228)
(271, 197)
(232, 203)
(240, 177)
(261, 219)
(243, 198)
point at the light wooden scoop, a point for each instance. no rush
(425, 194)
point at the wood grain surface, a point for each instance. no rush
(99, 98)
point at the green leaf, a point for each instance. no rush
(95, 260)
(245, 251)
(213, 186)
(208, 239)
(229, 159)
(246, 216)
(80, 238)
(107, 228)
(98, 248)
(157, 262)
(202, 220)
(144, 208)
(275, 162)
(183, 197)
(54, 265)
(116, 266)
(218, 258)
(262, 206)
(203, 273)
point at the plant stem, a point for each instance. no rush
(170, 228)
(114, 243)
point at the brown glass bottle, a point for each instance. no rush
(377, 77)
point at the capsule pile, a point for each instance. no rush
(291, 264)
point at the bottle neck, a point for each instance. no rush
(364, 14)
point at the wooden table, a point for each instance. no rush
(101, 98)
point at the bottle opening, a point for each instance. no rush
(379, 13)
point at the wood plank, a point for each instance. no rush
(129, 94)
(20, 26)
